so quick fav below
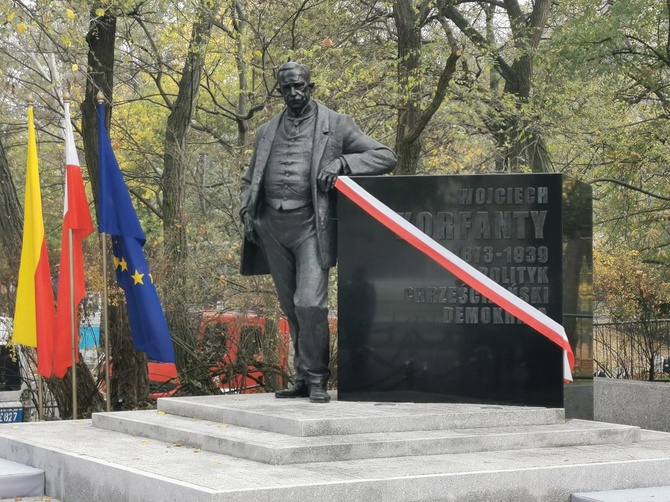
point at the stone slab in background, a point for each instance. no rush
(632, 402)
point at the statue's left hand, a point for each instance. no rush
(249, 232)
(328, 175)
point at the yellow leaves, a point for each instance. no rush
(70, 14)
(10, 17)
(629, 286)
(100, 12)
(652, 236)
(75, 67)
(21, 28)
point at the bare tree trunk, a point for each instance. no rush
(412, 120)
(239, 22)
(174, 185)
(130, 380)
(409, 49)
(520, 142)
(101, 40)
(89, 398)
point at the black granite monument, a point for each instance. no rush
(410, 331)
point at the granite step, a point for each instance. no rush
(84, 463)
(281, 449)
(298, 417)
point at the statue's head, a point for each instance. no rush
(295, 86)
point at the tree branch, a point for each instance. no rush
(146, 202)
(438, 97)
(450, 12)
(631, 187)
(158, 78)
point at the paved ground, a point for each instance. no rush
(88, 463)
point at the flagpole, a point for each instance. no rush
(40, 398)
(73, 327)
(105, 314)
(105, 310)
(73, 322)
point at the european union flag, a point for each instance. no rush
(117, 217)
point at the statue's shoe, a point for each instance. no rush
(318, 394)
(300, 389)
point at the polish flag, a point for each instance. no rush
(77, 225)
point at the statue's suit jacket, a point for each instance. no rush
(335, 135)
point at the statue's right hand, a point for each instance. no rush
(249, 232)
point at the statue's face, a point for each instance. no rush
(295, 89)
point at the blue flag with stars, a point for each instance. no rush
(117, 217)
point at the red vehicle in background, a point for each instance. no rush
(240, 351)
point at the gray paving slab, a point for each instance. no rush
(299, 417)
(275, 448)
(84, 463)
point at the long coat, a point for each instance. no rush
(335, 135)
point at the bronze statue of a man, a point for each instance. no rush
(288, 211)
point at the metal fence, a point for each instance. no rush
(638, 350)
